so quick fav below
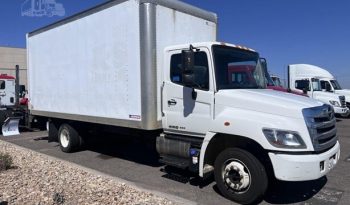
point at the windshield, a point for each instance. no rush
(336, 85)
(237, 69)
(316, 85)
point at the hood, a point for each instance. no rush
(344, 92)
(325, 96)
(266, 101)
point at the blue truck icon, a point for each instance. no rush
(42, 8)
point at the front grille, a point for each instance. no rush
(348, 104)
(320, 122)
(342, 101)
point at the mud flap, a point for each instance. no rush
(10, 126)
(53, 131)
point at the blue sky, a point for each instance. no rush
(285, 32)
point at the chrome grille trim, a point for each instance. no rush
(321, 125)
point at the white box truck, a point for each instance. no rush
(308, 79)
(155, 66)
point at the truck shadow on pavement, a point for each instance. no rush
(185, 176)
(124, 147)
(278, 193)
(294, 192)
(137, 150)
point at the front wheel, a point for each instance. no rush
(240, 176)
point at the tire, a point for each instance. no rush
(246, 179)
(68, 138)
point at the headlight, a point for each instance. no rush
(284, 139)
(334, 103)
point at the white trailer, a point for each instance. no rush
(307, 78)
(155, 66)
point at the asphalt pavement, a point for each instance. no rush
(130, 159)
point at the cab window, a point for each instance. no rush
(324, 84)
(201, 70)
(302, 84)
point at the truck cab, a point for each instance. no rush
(7, 90)
(328, 82)
(303, 80)
(331, 85)
(216, 93)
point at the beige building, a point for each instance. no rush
(9, 58)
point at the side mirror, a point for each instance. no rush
(305, 90)
(188, 67)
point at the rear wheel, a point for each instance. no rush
(69, 138)
(240, 176)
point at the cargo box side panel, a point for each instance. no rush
(174, 28)
(89, 67)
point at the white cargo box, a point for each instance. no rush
(105, 65)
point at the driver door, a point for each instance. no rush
(183, 114)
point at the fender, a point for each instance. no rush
(205, 144)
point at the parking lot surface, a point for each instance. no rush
(129, 159)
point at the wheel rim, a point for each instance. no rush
(64, 138)
(236, 176)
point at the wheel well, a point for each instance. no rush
(220, 142)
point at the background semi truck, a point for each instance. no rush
(13, 103)
(302, 77)
(328, 82)
(155, 66)
(271, 84)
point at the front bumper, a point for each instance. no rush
(289, 167)
(341, 110)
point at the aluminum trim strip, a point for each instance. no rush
(174, 4)
(148, 66)
(185, 8)
(91, 119)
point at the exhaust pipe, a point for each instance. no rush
(17, 86)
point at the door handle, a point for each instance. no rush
(171, 102)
